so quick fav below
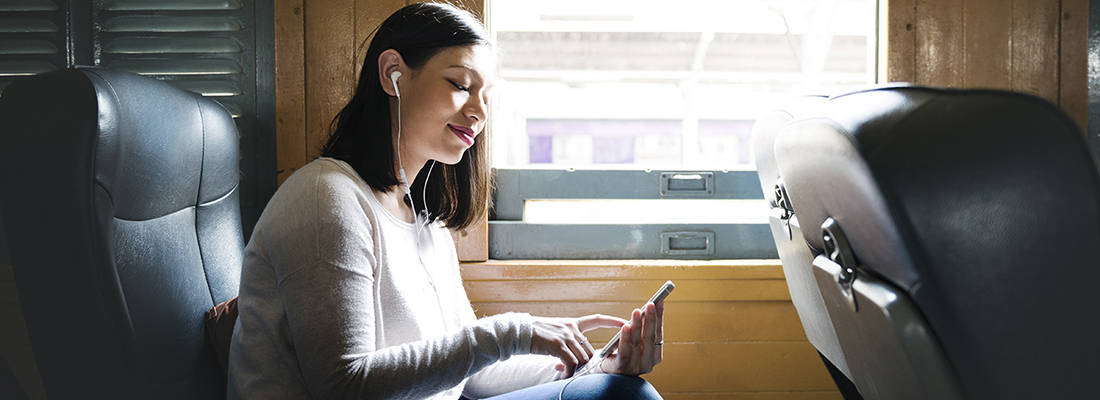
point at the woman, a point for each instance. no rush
(350, 285)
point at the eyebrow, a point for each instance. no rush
(471, 69)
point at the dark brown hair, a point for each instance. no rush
(362, 133)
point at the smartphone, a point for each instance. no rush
(660, 295)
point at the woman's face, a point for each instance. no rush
(444, 104)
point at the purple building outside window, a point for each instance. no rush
(613, 150)
(612, 140)
(540, 149)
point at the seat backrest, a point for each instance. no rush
(957, 236)
(786, 231)
(120, 209)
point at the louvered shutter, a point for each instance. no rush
(204, 46)
(32, 38)
(209, 47)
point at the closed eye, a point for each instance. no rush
(459, 87)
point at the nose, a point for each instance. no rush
(476, 110)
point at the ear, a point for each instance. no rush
(389, 61)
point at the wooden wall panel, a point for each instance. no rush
(472, 243)
(898, 40)
(731, 331)
(369, 14)
(686, 321)
(1035, 48)
(330, 65)
(1031, 46)
(1073, 65)
(584, 290)
(290, 95)
(988, 42)
(939, 42)
(740, 367)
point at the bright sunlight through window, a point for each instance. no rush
(676, 85)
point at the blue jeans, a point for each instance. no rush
(588, 387)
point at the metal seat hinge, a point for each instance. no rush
(839, 250)
(783, 201)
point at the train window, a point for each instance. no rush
(621, 129)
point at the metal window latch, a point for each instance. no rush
(839, 250)
(688, 243)
(687, 184)
(783, 201)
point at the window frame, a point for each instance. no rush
(512, 238)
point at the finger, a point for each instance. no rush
(578, 350)
(588, 349)
(626, 350)
(568, 358)
(595, 321)
(660, 320)
(660, 336)
(649, 333)
(636, 329)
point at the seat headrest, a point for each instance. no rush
(151, 173)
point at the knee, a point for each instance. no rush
(611, 387)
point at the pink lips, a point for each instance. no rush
(464, 133)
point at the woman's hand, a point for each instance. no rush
(564, 338)
(639, 343)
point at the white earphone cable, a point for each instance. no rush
(419, 221)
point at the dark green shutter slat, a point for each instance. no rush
(146, 5)
(211, 88)
(27, 25)
(143, 23)
(234, 110)
(27, 5)
(20, 68)
(32, 38)
(170, 45)
(28, 46)
(171, 67)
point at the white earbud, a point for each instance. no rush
(393, 77)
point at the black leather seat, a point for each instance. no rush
(956, 235)
(121, 218)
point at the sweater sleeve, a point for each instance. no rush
(505, 376)
(326, 283)
(516, 373)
